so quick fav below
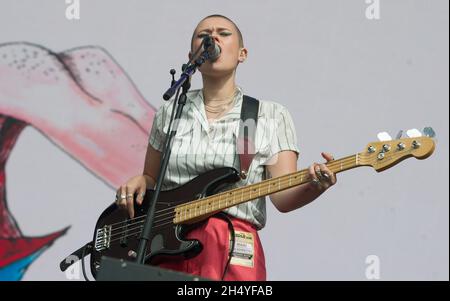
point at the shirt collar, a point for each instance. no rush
(196, 98)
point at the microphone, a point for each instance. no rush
(209, 44)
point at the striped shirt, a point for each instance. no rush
(201, 145)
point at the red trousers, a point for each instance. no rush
(214, 235)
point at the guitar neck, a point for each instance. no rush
(199, 209)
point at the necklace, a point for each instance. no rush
(218, 109)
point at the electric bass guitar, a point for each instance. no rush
(177, 210)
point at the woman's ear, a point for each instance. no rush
(243, 55)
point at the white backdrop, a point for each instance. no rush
(343, 77)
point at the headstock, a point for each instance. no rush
(382, 155)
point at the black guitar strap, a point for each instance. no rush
(247, 129)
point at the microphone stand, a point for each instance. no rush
(184, 83)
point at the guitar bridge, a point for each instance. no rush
(103, 238)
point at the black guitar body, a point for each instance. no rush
(117, 236)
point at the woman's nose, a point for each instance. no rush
(215, 36)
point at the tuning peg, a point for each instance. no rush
(429, 132)
(384, 136)
(399, 134)
(413, 133)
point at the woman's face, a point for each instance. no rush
(227, 37)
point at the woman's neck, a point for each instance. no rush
(218, 90)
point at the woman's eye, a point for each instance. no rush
(202, 35)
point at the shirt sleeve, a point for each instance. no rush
(283, 136)
(157, 137)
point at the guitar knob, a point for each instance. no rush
(380, 156)
(386, 147)
(401, 146)
(371, 149)
(415, 144)
(132, 254)
(429, 132)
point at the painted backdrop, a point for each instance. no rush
(77, 99)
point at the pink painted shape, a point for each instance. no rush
(83, 101)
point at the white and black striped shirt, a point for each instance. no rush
(200, 146)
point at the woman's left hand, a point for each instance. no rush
(322, 177)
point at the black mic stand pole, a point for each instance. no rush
(184, 83)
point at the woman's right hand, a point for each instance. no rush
(125, 195)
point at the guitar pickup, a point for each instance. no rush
(124, 235)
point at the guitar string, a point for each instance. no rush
(338, 162)
(135, 233)
(265, 185)
(331, 165)
(280, 182)
(138, 218)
